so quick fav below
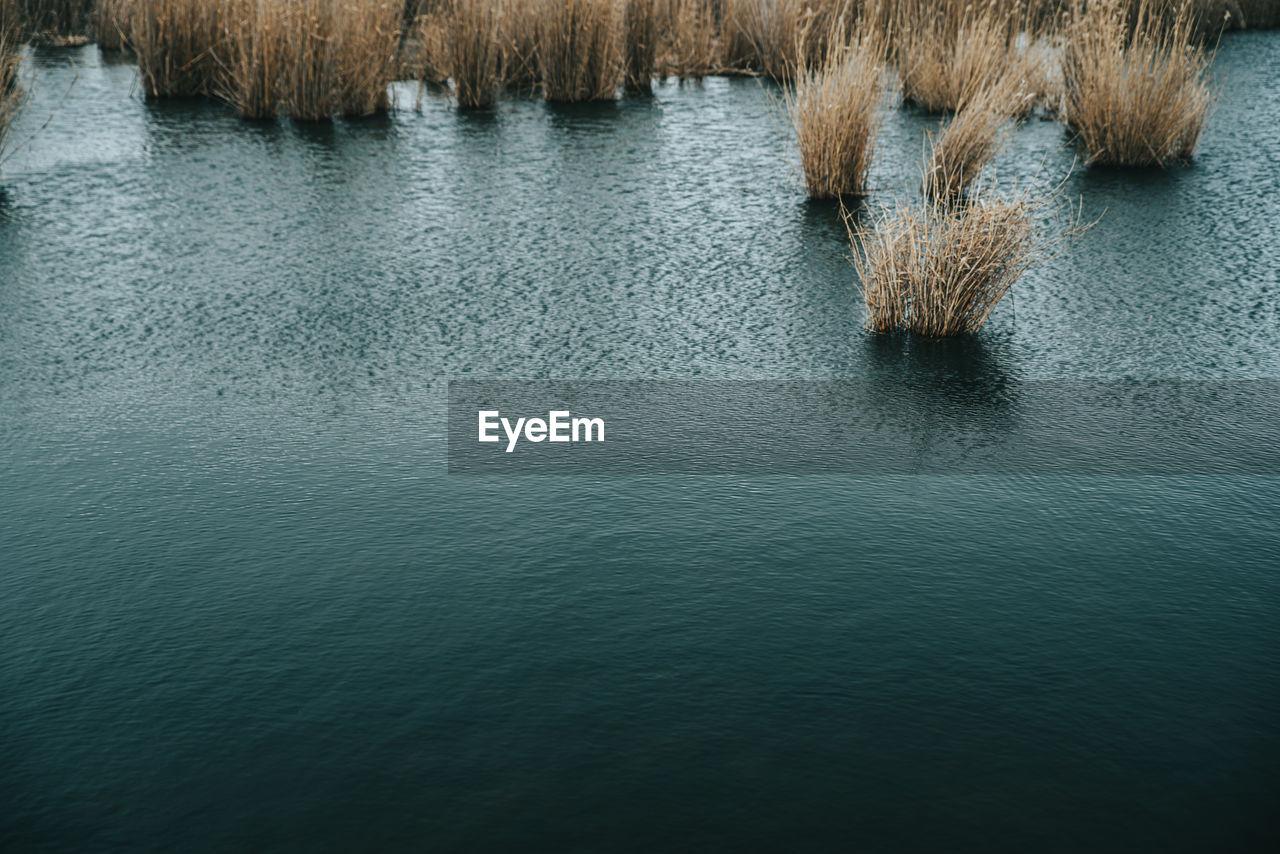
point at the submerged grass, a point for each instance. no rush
(1135, 88)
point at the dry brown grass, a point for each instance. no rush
(1135, 88)
(428, 60)
(940, 270)
(308, 59)
(57, 22)
(579, 49)
(12, 94)
(643, 34)
(691, 48)
(835, 112)
(474, 53)
(177, 44)
(969, 141)
(111, 23)
(945, 59)
(518, 39)
(780, 38)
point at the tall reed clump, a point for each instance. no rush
(835, 113)
(474, 55)
(782, 38)
(309, 59)
(1135, 87)
(429, 63)
(691, 49)
(940, 270)
(642, 44)
(57, 21)
(177, 43)
(579, 49)
(949, 53)
(974, 136)
(11, 91)
(111, 23)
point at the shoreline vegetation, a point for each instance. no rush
(1129, 79)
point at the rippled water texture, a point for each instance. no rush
(242, 606)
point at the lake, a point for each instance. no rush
(243, 605)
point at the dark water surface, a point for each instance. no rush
(243, 606)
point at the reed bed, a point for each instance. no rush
(946, 58)
(58, 22)
(474, 56)
(783, 38)
(12, 94)
(112, 21)
(642, 34)
(428, 58)
(691, 49)
(177, 44)
(579, 49)
(1135, 87)
(518, 40)
(835, 114)
(940, 270)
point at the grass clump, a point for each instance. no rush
(692, 48)
(177, 43)
(940, 270)
(1135, 88)
(308, 59)
(835, 113)
(57, 22)
(579, 49)
(642, 24)
(474, 56)
(111, 23)
(974, 136)
(12, 95)
(945, 57)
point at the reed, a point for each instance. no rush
(579, 49)
(111, 23)
(782, 38)
(308, 59)
(518, 28)
(1135, 88)
(835, 114)
(57, 21)
(177, 45)
(427, 59)
(691, 49)
(969, 141)
(948, 56)
(12, 93)
(939, 270)
(474, 54)
(642, 26)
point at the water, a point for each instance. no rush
(243, 607)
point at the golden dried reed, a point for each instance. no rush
(1135, 88)
(835, 112)
(579, 49)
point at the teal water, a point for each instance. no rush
(243, 606)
